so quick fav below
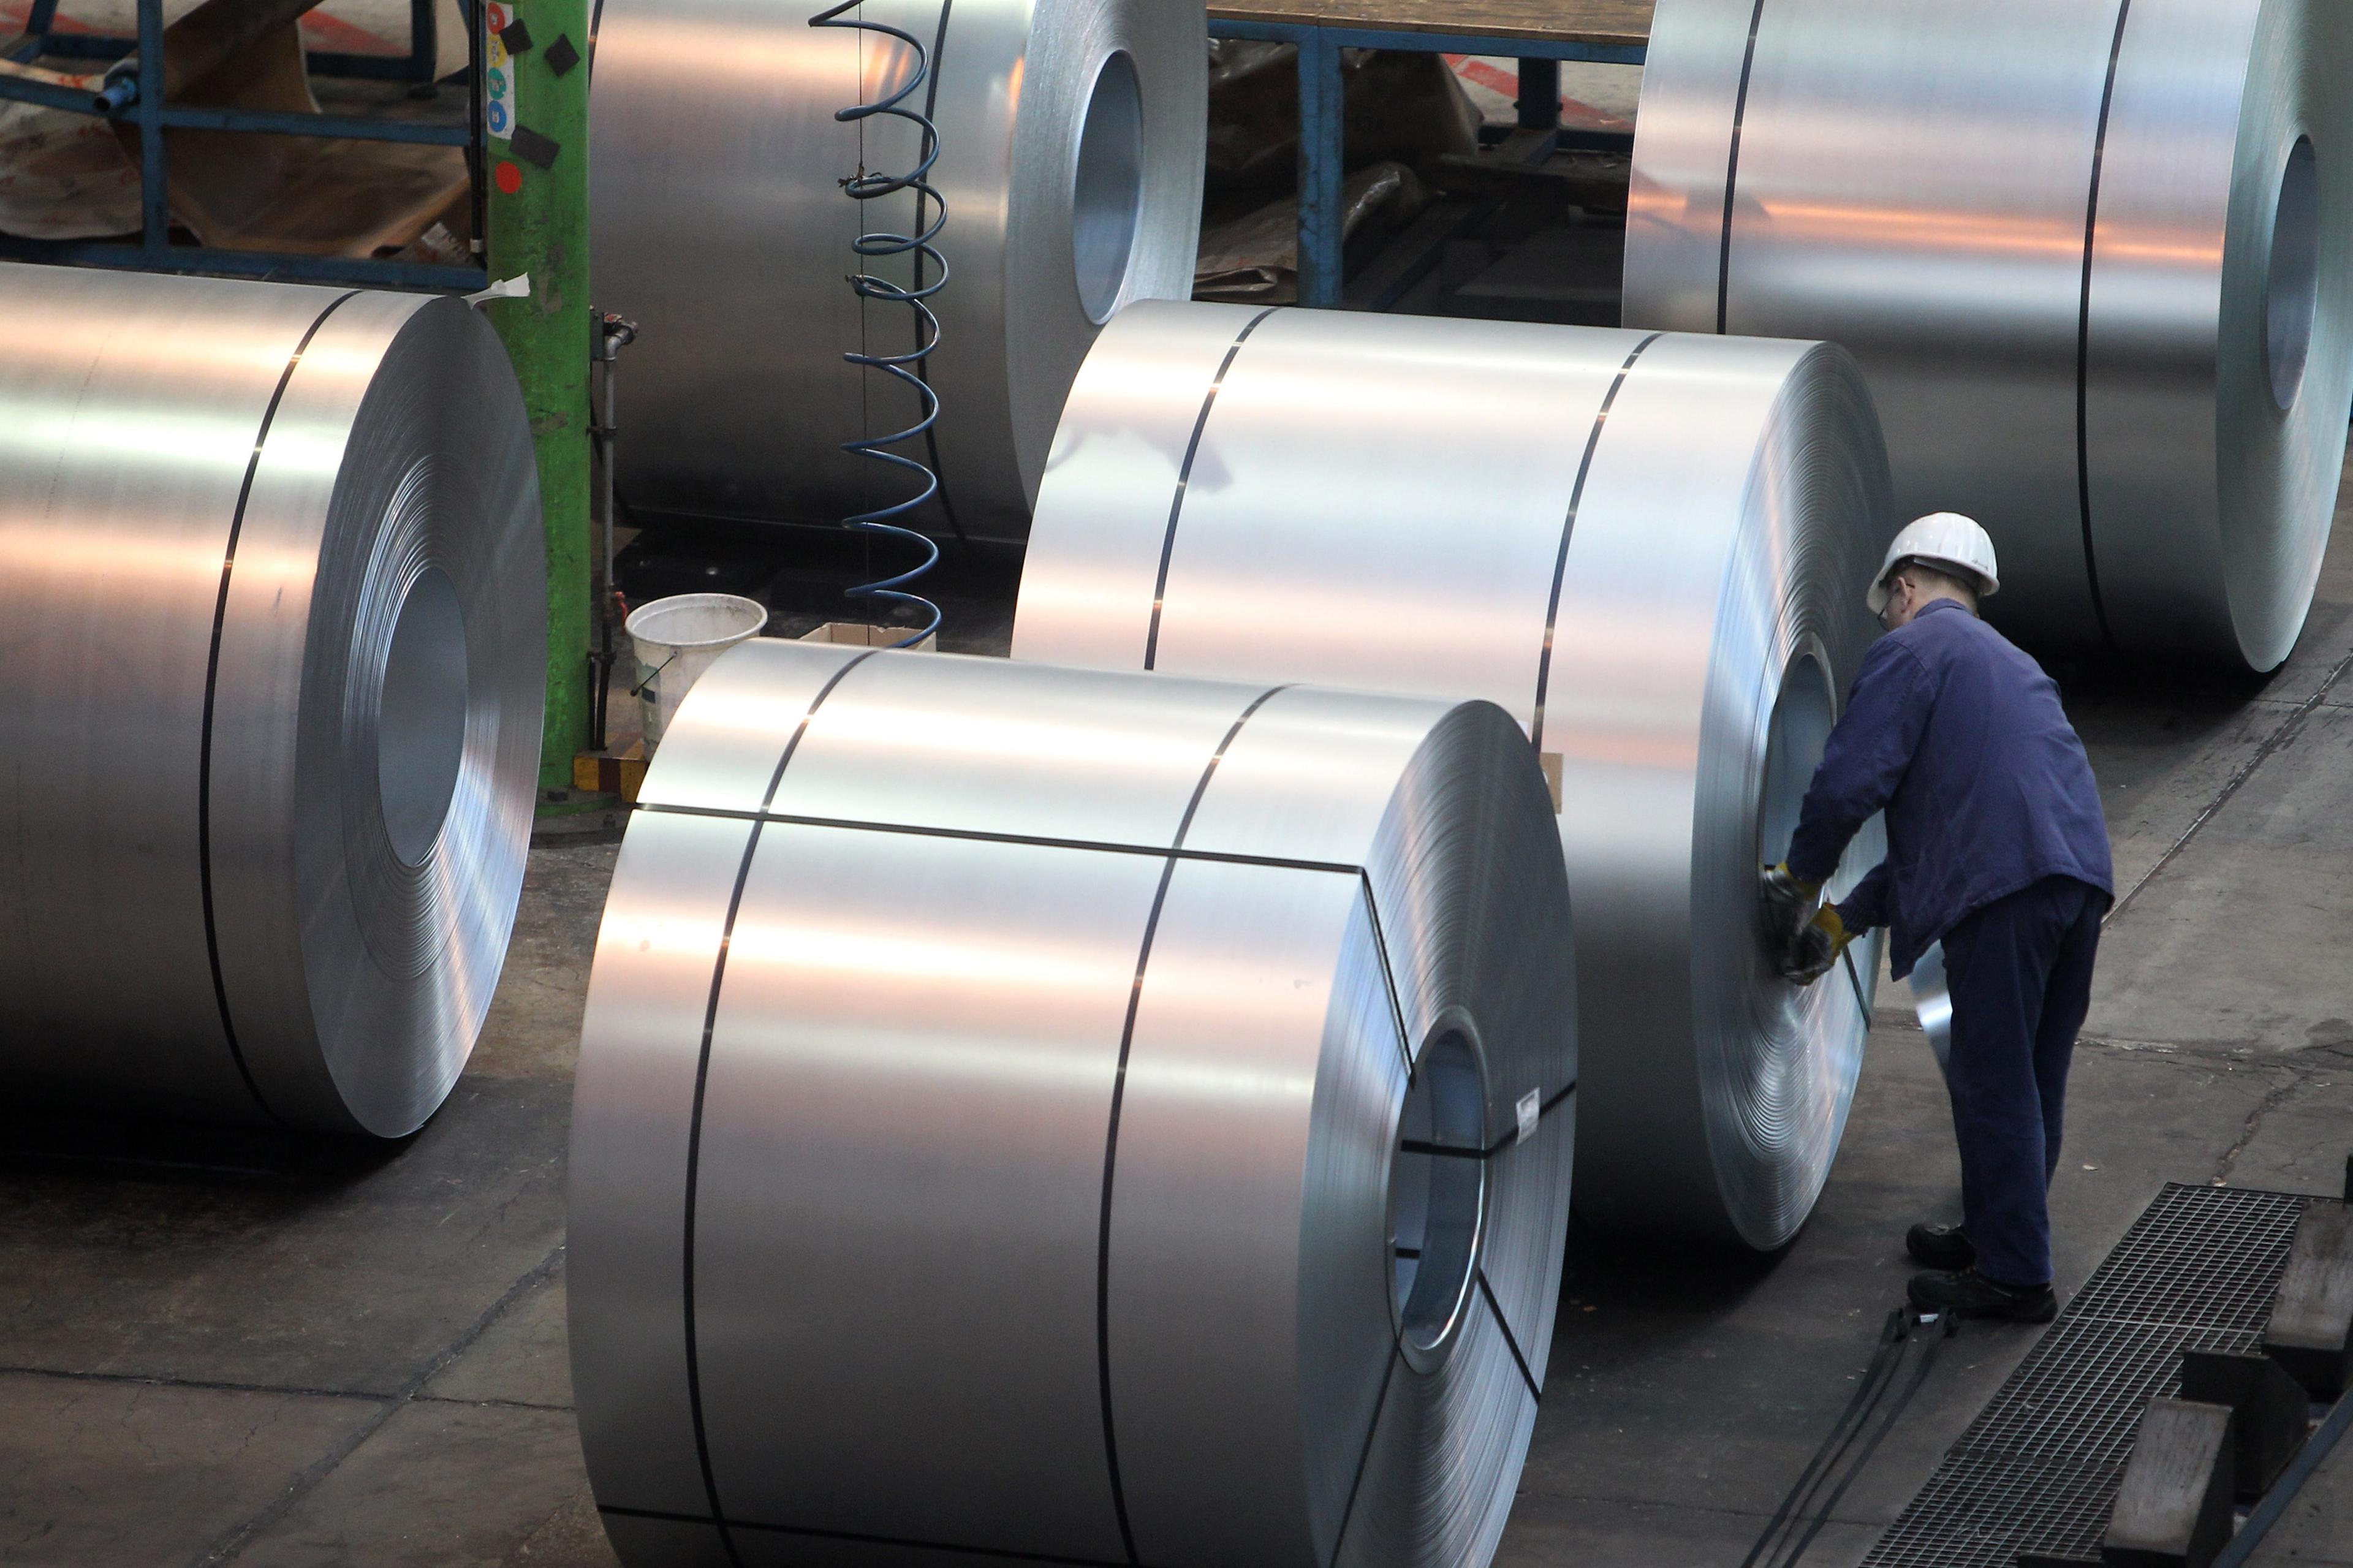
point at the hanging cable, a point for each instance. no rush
(908, 369)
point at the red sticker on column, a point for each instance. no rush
(508, 178)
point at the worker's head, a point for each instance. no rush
(1943, 556)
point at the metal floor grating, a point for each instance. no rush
(2210, 1256)
(1977, 1511)
(2077, 1399)
(2038, 1469)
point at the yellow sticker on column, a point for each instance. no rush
(498, 75)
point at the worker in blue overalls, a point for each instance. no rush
(1996, 846)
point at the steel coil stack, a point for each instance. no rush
(1069, 160)
(274, 617)
(1649, 550)
(1044, 1115)
(2095, 256)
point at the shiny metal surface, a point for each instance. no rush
(1070, 163)
(2095, 258)
(1932, 1000)
(1647, 550)
(994, 1135)
(271, 599)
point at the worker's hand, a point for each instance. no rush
(1820, 943)
(1786, 902)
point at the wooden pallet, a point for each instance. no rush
(1619, 22)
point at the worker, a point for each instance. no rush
(1997, 847)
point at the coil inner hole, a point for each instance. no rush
(1437, 1202)
(1803, 713)
(1107, 192)
(421, 722)
(2292, 293)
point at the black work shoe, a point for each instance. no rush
(1969, 1294)
(1946, 1247)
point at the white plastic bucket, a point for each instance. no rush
(676, 640)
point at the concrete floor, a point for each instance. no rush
(220, 1348)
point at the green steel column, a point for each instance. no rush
(538, 222)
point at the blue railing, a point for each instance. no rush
(1323, 152)
(136, 98)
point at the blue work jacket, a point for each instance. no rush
(1960, 739)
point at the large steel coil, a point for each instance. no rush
(1070, 160)
(1030, 1115)
(2094, 256)
(1649, 551)
(272, 603)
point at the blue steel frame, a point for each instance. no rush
(139, 98)
(1322, 155)
(416, 66)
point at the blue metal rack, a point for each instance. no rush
(1322, 155)
(416, 66)
(138, 97)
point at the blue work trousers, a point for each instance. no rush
(2020, 970)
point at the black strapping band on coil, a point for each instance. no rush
(1855, 979)
(702, 1084)
(1021, 840)
(1503, 1145)
(212, 684)
(1569, 532)
(1365, 1454)
(1101, 846)
(2084, 327)
(1731, 173)
(1511, 1340)
(1185, 483)
(1388, 974)
(1118, 1098)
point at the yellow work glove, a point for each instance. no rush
(1787, 901)
(1821, 943)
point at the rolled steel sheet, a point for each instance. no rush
(1030, 1115)
(1070, 159)
(1932, 1002)
(1649, 550)
(2094, 256)
(273, 603)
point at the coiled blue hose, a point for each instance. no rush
(907, 368)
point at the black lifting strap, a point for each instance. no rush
(1808, 1508)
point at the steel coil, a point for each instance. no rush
(1048, 1116)
(273, 603)
(1649, 551)
(1071, 165)
(2094, 256)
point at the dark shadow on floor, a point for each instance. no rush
(1605, 1271)
(35, 1142)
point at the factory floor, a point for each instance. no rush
(230, 1348)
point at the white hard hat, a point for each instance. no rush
(1945, 539)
